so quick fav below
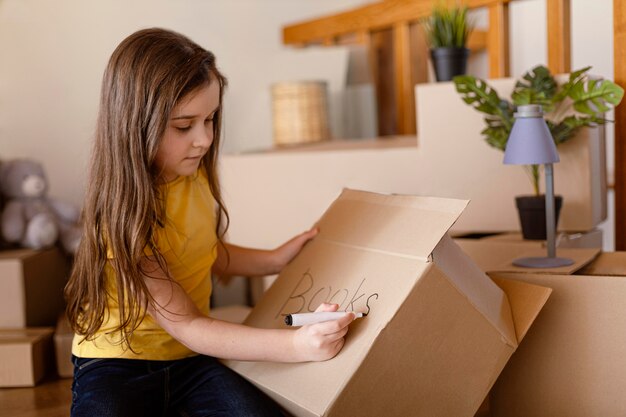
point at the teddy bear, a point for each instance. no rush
(29, 217)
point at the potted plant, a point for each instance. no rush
(447, 30)
(580, 101)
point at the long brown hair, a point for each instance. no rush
(149, 73)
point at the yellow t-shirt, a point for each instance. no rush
(189, 245)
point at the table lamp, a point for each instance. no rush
(531, 143)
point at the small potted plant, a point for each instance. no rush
(447, 30)
(580, 101)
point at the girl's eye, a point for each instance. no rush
(183, 128)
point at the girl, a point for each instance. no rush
(138, 296)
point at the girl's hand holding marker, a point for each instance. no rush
(323, 340)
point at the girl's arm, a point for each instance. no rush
(257, 262)
(176, 313)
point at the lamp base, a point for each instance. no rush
(542, 262)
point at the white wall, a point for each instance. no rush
(53, 52)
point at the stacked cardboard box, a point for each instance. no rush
(31, 296)
(63, 337)
(25, 356)
(572, 360)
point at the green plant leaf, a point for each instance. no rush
(478, 94)
(590, 98)
(578, 75)
(566, 129)
(496, 136)
(595, 96)
(528, 96)
(537, 86)
(574, 78)
(499, 113)
(538, 79)
(448, 27)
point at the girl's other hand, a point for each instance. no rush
(287, 251)
(322, 341)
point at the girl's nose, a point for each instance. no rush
(204, 138)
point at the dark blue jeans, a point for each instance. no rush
(196, 386)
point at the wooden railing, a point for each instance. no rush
(398, 53)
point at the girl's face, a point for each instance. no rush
(189, 133)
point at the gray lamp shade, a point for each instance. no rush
(530, 141)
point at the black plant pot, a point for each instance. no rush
(532, 215)
(449, 62)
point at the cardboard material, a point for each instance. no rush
(581, 257)
(607, 264)
(490, 255)
(31, 287)
(497, 256)
(25, 355)
(572, 360)
(233, 313)
(63, 337)
(438, 332)
(590, 239)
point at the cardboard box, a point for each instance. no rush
(25, 356)
(234, 313)
(498, 256)
(572, 362)
(590, 239)
(438, 333)
(607, 264)
(63, 337)
(31, 287)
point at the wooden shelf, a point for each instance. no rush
(386, 142)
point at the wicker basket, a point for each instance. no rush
(300, 112)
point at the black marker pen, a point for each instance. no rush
(301, 319)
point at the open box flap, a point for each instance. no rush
(476, 286)
(403, 225)
(606, 264)
(525, 300)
